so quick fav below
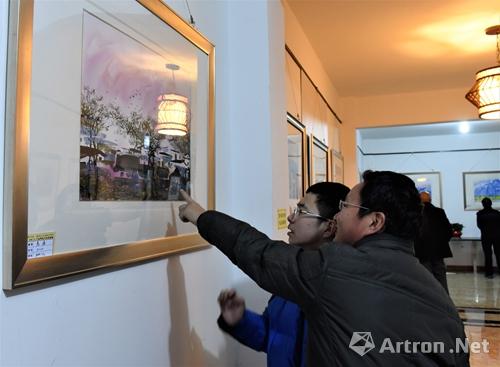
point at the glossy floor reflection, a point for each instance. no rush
(478, 302)
(474, 290)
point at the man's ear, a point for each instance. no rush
(330, 230)
(377, 222)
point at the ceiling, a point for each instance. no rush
(376, 47)
(445, 128)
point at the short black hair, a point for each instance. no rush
(486, 202)
(328, 195)
(396, 196)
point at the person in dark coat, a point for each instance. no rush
(281, 330)
(432, 244)
(488, 221)
(366, 298)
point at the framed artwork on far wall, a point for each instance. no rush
(110, 112)
(297, 162)
(318, 161)
(337, 166)
(429, 182)
(478, 185)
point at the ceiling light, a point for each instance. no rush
(173, 111)
(464, 127)
(485, 93)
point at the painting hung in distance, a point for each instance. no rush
(479, 185)
(429, 182)
(122, 155)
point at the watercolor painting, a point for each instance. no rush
(122, 157)
(487, 188)
(319, 161)
(337, 166)
(428, 182)
(295, 156)
(478, 185)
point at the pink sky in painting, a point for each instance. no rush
(122, 70)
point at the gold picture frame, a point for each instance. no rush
(319, 170)
(337, 166)
(297, 159)
(18, 269)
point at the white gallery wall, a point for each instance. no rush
(470, 153)
(163, 313)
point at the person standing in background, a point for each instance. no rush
(488, 221)
(432, 245)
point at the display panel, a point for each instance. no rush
(95, 158)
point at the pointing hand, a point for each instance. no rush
(191, 210)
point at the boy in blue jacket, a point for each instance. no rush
(281, 330)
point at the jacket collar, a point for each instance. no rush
(387, 241)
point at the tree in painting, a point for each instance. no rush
(94, 119)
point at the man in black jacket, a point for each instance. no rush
(488, 221)
(367, 299)
(432, 243)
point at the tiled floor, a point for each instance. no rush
(478, 302)
(474, 290)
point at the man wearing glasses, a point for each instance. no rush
(281, 330)
(366, 296)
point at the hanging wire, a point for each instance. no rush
(498, 50)
(480, 159)
(424, 163)
(173, 77)
(173, 68)
(498, 46)
(403, 161)
(191, 19)
(415, 157)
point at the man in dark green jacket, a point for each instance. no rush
(367, 300)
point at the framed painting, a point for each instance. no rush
(297, 162)
(337, 170)
(429, 182)
(110, 113)
(478, 185)
(318, 153)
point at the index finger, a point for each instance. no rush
(185, 196)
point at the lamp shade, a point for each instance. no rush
(173, 114)
(485, 93)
